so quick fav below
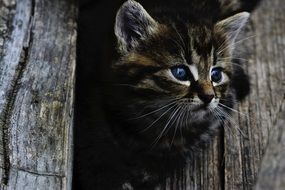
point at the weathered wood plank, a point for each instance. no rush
(204, 171)
(265, 54)
(25, 180)
(37, 77)
(14, 32)
(201, 173)
(272, 172)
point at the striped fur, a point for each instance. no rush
(150, 104)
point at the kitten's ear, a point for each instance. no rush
(133, 24)
(232, 26)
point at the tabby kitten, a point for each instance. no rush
(162, 92)
(174, 80)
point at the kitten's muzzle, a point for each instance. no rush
(204, 91)
(206, 98)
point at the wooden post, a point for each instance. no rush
(37, 77)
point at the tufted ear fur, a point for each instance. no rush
(132, 25)
(231, 26)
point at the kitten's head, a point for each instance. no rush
(175, 76)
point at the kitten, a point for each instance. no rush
(169, 84)
(173, 79)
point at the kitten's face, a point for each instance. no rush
(178, 75)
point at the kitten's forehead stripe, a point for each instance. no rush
(183, 33)
(194, 72)
(214, 54)
(202, 41)
(202, 49)
(196, 58)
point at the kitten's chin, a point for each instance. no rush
(204, 112)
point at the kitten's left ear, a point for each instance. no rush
(133, 24)
(231, 26)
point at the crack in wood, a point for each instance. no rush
(8, 107)
(222, 159)
(6, 17)
(7, 114)
(37, 173)
(37, 75)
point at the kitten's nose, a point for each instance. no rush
(204, 90)
(206, 98)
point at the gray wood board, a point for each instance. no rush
(272, 172)
(37, 78)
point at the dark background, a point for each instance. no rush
(91, 143)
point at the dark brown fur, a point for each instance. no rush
(130, 143)
(141, 74)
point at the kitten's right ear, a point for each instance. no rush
(133, 24)
(231, 26)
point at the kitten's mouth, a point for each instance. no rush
(212, 105)
(200, 107)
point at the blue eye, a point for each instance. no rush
(180, 72)
(216, 75)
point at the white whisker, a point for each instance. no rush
(178, 120)
(234, 44)
(232, 58)
(165, 127)
(229, 118)
(127, 85)
(158, 119)
(154, 111)
(223, 105)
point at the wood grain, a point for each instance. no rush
(272, 172)
(37, 78)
